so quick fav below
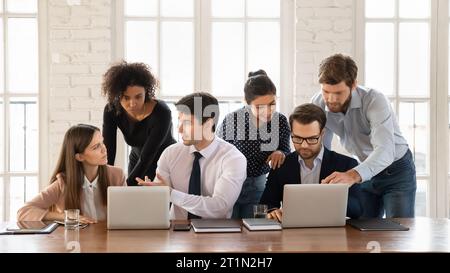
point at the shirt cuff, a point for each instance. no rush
(177, 197)
(364, 172)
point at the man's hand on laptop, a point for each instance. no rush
(349, 177)
(159, 181)
(275, 214)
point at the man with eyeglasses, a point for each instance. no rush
(310, 163)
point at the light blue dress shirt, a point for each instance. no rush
(311, 176)
(368, 130)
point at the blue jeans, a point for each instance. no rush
(392, 191)
(354, 206)
(251, 192)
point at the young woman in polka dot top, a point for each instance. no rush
(261, 134)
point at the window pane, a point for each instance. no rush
(421, 198)
(177, 58)
(177, 8)
(264, 49)
(227, 8)
(141, 43)
(22, 6)
(414, 59)
(32, 137)
(414, 8)
(17, 136)
(226, 107)
(263, 8)
(2, 60)
(16, 196)
(22, 55)
(380, 57)
(31, 187)
(380, 8)
(228, 59)
(414, 122)
(141, 7)
(2, 138)
(21, 190)
(23, 135)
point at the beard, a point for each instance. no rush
(306, 154)
(337, 107)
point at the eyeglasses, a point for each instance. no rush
(309, 140)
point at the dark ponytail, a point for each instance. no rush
(258, 84)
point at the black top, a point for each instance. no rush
(289, 173)
(149, 137)
(256, 144)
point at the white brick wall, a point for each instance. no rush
(324, 27)
(79, 34)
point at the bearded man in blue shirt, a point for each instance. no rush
(367, 127)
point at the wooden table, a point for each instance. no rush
(425, 235)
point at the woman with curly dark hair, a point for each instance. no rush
(145, 122)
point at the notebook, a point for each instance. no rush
(30, 227)
(216, 225)
(261, 224)
(376, 225)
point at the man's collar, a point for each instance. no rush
(208, 150)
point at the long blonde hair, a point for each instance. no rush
(76, 140)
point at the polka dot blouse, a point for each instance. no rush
(256, 143)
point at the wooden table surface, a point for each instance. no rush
(425, 235)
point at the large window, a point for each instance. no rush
(207, 45)
(396, 43)
(18, 105)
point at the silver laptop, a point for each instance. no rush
(138, 208)
(314, 205)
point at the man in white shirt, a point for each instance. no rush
(205, 173)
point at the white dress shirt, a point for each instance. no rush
(223, 171)
(91, 204)
(311, 176)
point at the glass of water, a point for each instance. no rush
(259, 211)
(71, 218)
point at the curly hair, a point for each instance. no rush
(122, 75)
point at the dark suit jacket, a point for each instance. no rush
(289, 173)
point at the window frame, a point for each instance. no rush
(7, 95)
